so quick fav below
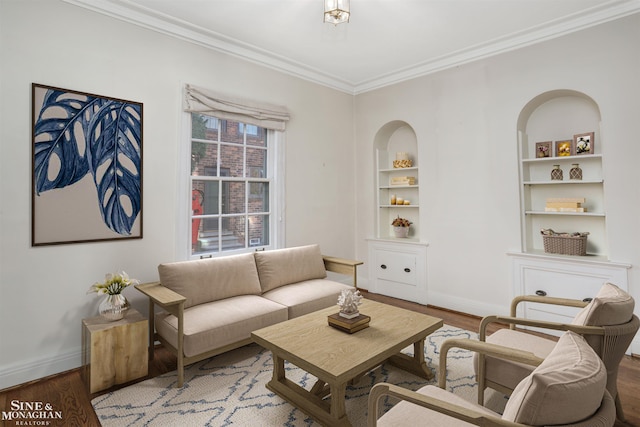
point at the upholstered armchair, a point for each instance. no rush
(607, 323)
(568, 388)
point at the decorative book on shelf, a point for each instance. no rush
(565, 204)
(349, 325)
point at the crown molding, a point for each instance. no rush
(170, 26)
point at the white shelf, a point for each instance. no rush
(414, 168)
(564, 182)
(399, 206)
(563, 159)
(393, 187)
(598, 214)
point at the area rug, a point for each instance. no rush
(230, 390)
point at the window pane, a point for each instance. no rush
(258, 197)
(204, 196)
(232, 233)
(258, 230)
(232, 158)
(256, 163)
(258, 136)
(204, 158)
(204, 127)
(230, 132)
(233, 197)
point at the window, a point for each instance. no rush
(231, 184)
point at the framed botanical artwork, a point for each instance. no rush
(544, 149)
(564, 148)
(86, 167)
(584, 143)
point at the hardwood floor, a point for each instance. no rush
(66, 392)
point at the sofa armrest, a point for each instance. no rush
(342, 266)
(171, 301)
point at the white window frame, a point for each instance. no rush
(275, 168)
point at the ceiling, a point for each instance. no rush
(386, 41)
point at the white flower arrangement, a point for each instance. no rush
(113, 284)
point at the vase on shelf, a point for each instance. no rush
(113, 307)
(556, 173)
(575, 172)
(401, 231)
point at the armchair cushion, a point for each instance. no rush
(612, 306)
(565, 388)
(281, 267)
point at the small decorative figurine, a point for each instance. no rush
(349, 300)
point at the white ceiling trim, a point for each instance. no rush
(185, 31)
(507, 43)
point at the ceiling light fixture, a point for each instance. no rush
(336, 11)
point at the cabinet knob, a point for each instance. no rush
(541, 293)
(384, 267)
(407, 270)
(588, 299)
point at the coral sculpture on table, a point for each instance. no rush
(349, 300)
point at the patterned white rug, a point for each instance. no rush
(230, 389)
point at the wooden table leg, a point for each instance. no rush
(416, 364)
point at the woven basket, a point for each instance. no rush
(565, 245)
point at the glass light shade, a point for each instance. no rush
(336, 11)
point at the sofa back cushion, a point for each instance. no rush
(211, 279)
(567, 387)
(612, 306)
(291, 265)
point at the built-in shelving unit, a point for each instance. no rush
(397, 266)
(557, 116)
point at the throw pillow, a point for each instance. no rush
(565, 388)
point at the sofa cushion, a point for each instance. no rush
(291, 265)
(211, 279)
(612, 306)
(216, 324)
(308, 296)
(565, 388)
(406, 413)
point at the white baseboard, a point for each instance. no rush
(464, 305)
(39, 368)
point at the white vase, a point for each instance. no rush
(401, 231)
(113, 307)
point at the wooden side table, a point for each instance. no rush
(114, 352)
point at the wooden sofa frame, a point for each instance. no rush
(174, 303)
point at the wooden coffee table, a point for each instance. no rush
(336, 357)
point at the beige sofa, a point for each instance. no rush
(212, 305)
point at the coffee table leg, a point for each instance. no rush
(416, 364)
(310, 402)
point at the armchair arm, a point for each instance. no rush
(483, 348)
(342, 266)
(512, 321)
(468, 415)
(545, 300)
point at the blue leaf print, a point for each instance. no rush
(76, 134)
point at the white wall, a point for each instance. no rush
(42, 289)
(465, 120)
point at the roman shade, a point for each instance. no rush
(205, 101)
